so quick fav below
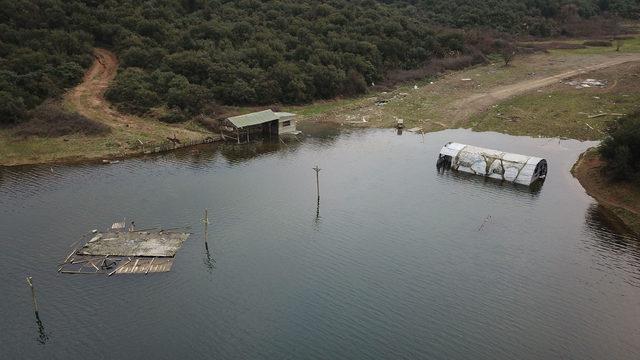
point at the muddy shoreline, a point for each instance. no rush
(587, 170)
(100, 159)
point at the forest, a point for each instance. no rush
(188, 56)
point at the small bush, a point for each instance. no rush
(49, 120)
(429, 70)
(12, 108)
(545, 46)
(598, 43)
(459, 62)
(621, 149)
(173, 116)
(211, 124)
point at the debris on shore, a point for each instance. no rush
(586, 83)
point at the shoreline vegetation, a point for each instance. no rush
(491, 97)
(495, 98)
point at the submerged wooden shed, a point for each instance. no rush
(516, 168)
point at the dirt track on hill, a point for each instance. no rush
(88, 97)
(88, 100)
(476, 103)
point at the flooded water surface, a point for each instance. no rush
(397, 261)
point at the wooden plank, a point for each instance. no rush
(146, 265)
(119, 267)
(75, 272)
(94, 265)
(68, 257)
(150, 263)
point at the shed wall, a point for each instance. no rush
(282, 129)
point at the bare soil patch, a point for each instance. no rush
(456, 96)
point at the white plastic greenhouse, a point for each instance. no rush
(520, 169)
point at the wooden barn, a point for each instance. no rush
(266, 124)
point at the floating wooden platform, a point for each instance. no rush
(152, 243)
(125, 252)
(109, 265)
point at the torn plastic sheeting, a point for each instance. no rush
(520, 169)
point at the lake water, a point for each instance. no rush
(399, 261)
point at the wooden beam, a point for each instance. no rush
(149, 268)
(119, 267)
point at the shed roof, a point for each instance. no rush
(255, 118)
(282, 114)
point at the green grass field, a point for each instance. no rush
(563, 111)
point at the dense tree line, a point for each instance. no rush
(186, 54)
(40, 54)
(261, 52)
(525, 17)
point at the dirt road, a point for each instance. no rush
(88, 99)
(129, 134)
(451, 100)
(475, 103)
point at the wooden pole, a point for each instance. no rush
(208, 262)
(206, 227)
(33, 294)
(317, 169)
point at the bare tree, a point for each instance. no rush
(506, 49)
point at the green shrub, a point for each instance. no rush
(133, 91)
(174, 116)
(12, 109)
(621, 149)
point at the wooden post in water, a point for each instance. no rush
(33, 295)
(206, 227)
(317, 169)
(318, 210)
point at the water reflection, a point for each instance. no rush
(414, 264)
(611, 233)
(326, 133)
(317, 219)
(237, 153)
(42, 334)
(198, 155)
(492, 184)
(209, 261)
